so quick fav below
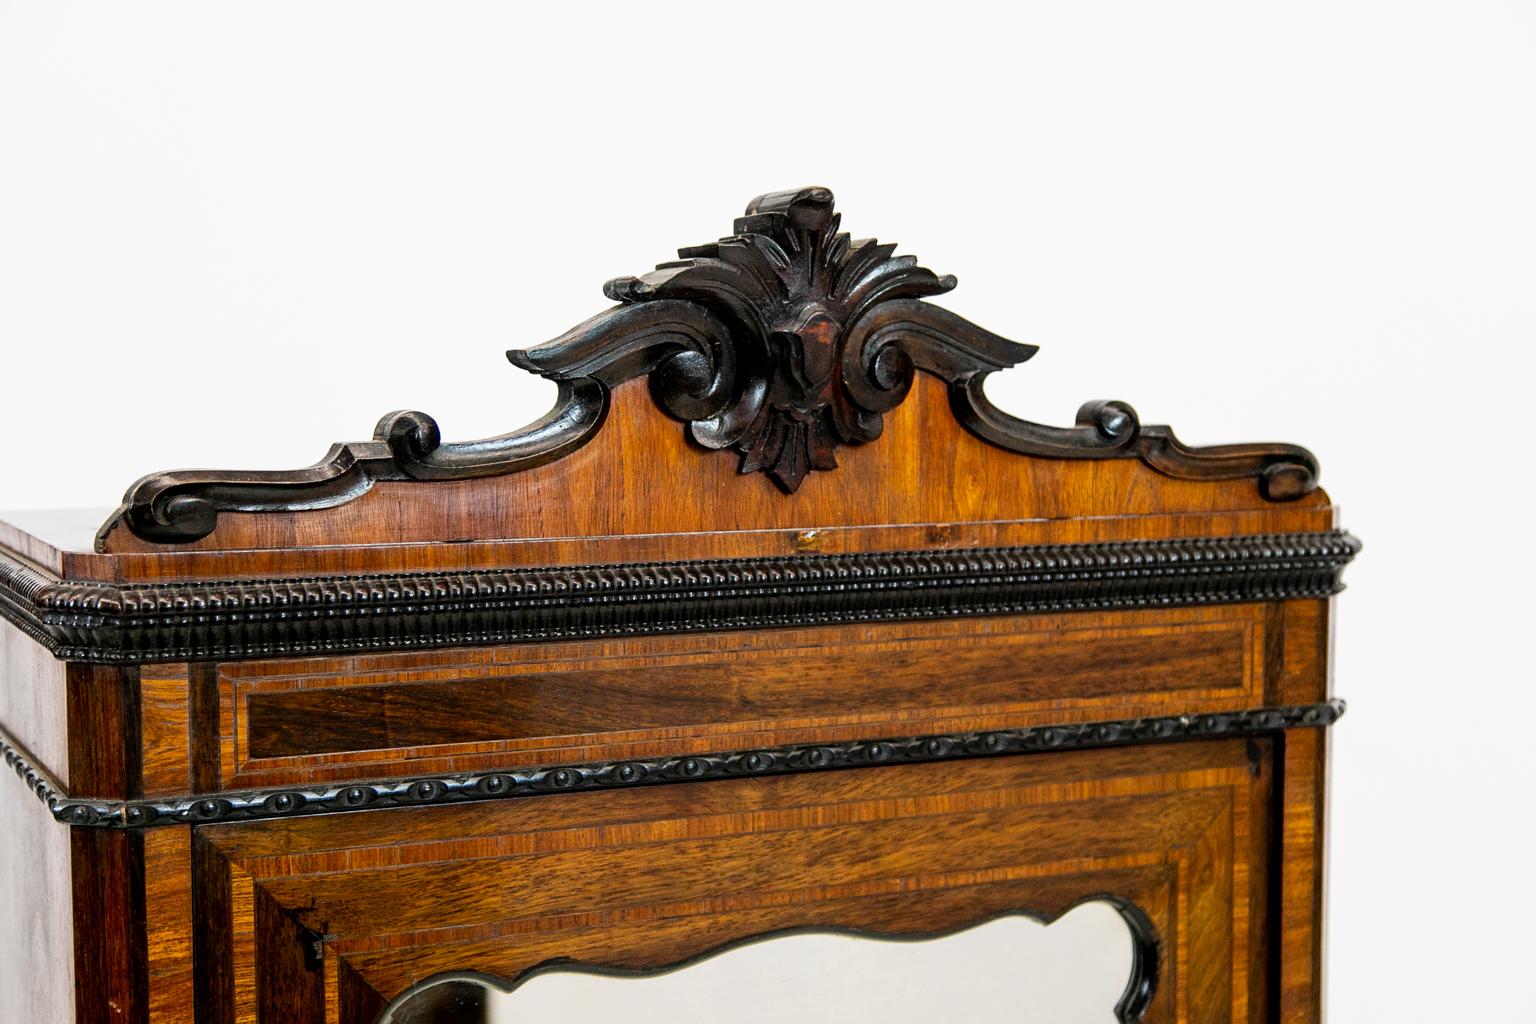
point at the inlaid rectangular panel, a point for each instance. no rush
(352, 910)
(317, 719)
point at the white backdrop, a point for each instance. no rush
(230, 234)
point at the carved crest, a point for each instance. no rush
(782, 335)
(781, 342)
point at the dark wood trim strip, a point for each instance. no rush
(231, 620)
(203, 696)
(111, 947)
(427, 790)
(105, 718)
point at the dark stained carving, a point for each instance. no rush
(782, 342)
(1284, 472)
(184, 505)
(425, 790)
(173, 621)
(786, 339)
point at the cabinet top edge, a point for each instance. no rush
(298, 615)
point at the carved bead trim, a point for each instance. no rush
(426, 790)
(42, 784)
(123, 623)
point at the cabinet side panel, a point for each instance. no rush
(37, 951)
(36, 981)
(32, 699)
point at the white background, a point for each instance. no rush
(230, 234)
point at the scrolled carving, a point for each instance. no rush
(682, 346)
(824, 335)
(782, 342)
(407, 445)
(812, 337)
(1113, 430)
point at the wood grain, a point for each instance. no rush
(641, 476)
(387, 556)
(111, 956)
(165, 729)
(1178, 829)
(316, 719)
(169, 925)
(1303, 853)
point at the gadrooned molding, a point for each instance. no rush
(235, 619)
(428, 790)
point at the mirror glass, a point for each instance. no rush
(1077, 970)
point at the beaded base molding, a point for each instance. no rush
(120, 623)
(427, 790)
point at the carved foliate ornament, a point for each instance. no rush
(798, 338)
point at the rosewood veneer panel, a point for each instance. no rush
(318, 719)
(641, 476)
(649, 878)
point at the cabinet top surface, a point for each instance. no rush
(57, 529)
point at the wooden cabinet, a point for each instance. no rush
(774, 623)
